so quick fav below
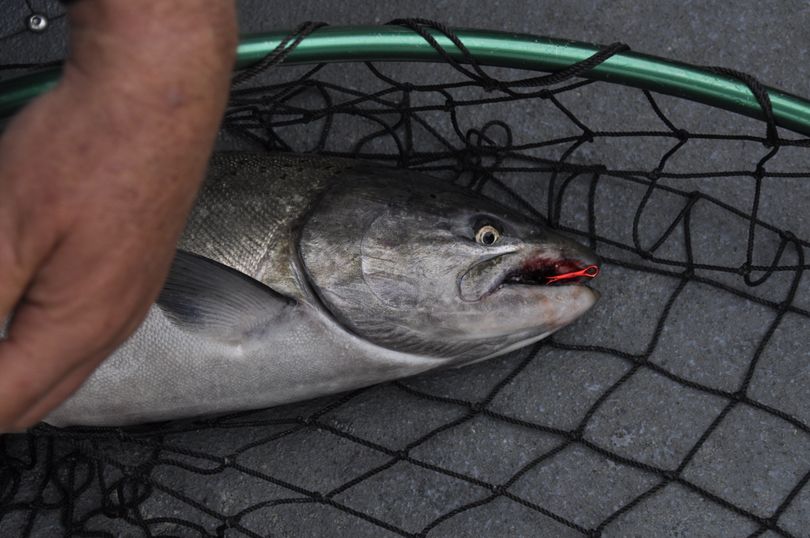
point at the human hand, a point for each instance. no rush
(96, 181)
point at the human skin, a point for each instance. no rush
(96, 180)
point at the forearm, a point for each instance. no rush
(88, 233)
(153, 64)
(138, 108)
(147, 43)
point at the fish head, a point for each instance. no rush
(422, 266)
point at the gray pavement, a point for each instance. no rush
(606, 477)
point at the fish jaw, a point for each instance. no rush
(531, 309)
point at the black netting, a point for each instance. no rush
(677, 407)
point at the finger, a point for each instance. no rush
(42, 348)
(14, 280)
(10, 293)
(27, 374)
(56, 395)
(24, 246)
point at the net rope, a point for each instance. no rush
(79, 477)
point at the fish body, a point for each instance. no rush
(299, 276)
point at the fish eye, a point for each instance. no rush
(487, 235)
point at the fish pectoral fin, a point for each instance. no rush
(203, 295)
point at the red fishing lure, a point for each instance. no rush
(589, 272)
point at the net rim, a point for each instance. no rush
(390, 43)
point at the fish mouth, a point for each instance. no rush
(569, 265)
(545, 271)
(530, 293)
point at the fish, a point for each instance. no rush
(299, 276)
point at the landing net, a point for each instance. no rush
(679, 404)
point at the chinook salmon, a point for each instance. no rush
(298, 277)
